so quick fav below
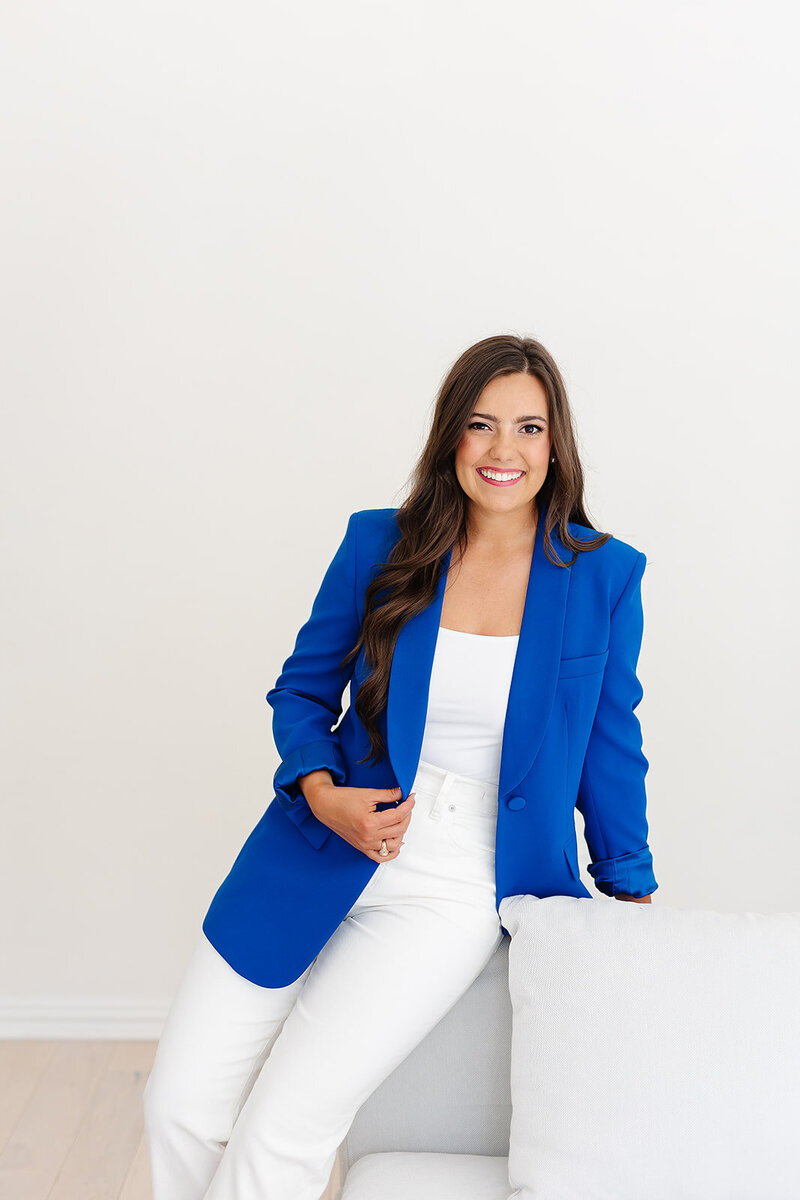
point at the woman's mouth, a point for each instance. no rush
(500, 478)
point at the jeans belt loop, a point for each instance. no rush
(436, 813)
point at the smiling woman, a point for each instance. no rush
(490, 636)
(507, 450)
(513, 457)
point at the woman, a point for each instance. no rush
(490, 643)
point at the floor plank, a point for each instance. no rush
(137, 1185)
(50, 1122)
(22, 1065)
(100, 1158)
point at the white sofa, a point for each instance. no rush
(655, 1055)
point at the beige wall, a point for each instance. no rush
(242, 245)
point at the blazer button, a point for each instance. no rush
(517, 802)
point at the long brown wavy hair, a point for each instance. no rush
(434, 516)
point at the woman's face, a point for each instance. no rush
(508, 432)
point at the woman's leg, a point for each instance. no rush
(218, 1033)
(422, 930)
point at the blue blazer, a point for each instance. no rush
(571, 739)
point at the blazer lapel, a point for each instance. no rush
(533, 681)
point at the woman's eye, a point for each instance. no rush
(483, 425)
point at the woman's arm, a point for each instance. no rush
(611, 793)
(307, 697)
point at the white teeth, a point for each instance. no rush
(502, 476)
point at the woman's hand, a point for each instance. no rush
(350, 812)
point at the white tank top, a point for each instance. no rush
(467, 701)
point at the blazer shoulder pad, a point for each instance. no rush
(369, 518)
(377, 534)
(616, 560)
(614, 549)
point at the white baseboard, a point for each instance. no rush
(81, 1017)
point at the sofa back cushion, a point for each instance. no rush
(655, 1051)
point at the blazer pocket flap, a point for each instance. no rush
(584, 664)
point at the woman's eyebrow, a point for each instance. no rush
(519, 420)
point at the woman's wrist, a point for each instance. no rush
(314, 785)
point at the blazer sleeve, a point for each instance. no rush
(307, 697)
(611, 794)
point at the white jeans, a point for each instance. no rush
(253, 1089)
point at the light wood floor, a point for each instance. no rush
(71, 1121)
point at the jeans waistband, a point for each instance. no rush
(470, 795)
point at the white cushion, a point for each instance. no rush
(655, 1051)
(420, 1175)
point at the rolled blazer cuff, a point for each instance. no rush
(629, 873)
(313, 756)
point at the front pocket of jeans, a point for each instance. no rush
(472, 833)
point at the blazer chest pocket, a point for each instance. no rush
(584, 664)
